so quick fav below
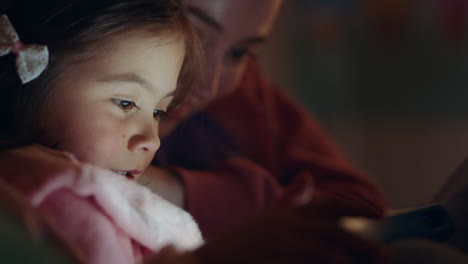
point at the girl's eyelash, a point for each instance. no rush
(159, 114)
(125, 105)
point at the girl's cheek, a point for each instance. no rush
(102, 141)
(115, 137)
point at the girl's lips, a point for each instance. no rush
(134, 172)
(130, 174)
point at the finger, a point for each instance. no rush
(298, 193)
(353, 245)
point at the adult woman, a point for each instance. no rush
(249, 146)
(227, 140)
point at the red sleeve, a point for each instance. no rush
(282, 137)
(305, 149)
(279, 141)
(221, 196)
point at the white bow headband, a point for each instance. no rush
(31, 60)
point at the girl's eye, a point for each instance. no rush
(159, 114)
(125, 104)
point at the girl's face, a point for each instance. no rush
(106, 110)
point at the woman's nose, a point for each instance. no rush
(209, 86)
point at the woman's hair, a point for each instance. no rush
(72, 31)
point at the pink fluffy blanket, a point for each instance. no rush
(106, 217)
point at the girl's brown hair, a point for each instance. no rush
(72, 30)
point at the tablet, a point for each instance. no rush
(425, 222)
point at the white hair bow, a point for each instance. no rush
(31, 60)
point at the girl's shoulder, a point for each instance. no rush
(28, 167)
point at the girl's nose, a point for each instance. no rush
(145, 141)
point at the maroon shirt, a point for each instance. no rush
(244, 150)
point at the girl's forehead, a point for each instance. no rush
(136, 37)
(138, 42)
(142, 60)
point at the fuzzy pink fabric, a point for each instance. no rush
(105, 216)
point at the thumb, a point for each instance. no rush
(299, 192)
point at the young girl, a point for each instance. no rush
(86, 82)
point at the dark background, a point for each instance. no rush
(388, 79)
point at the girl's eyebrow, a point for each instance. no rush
(132, 78)
(128, 77)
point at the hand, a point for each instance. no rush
(26, 168)
(305, 234)
(22, 170)
(301, 190)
